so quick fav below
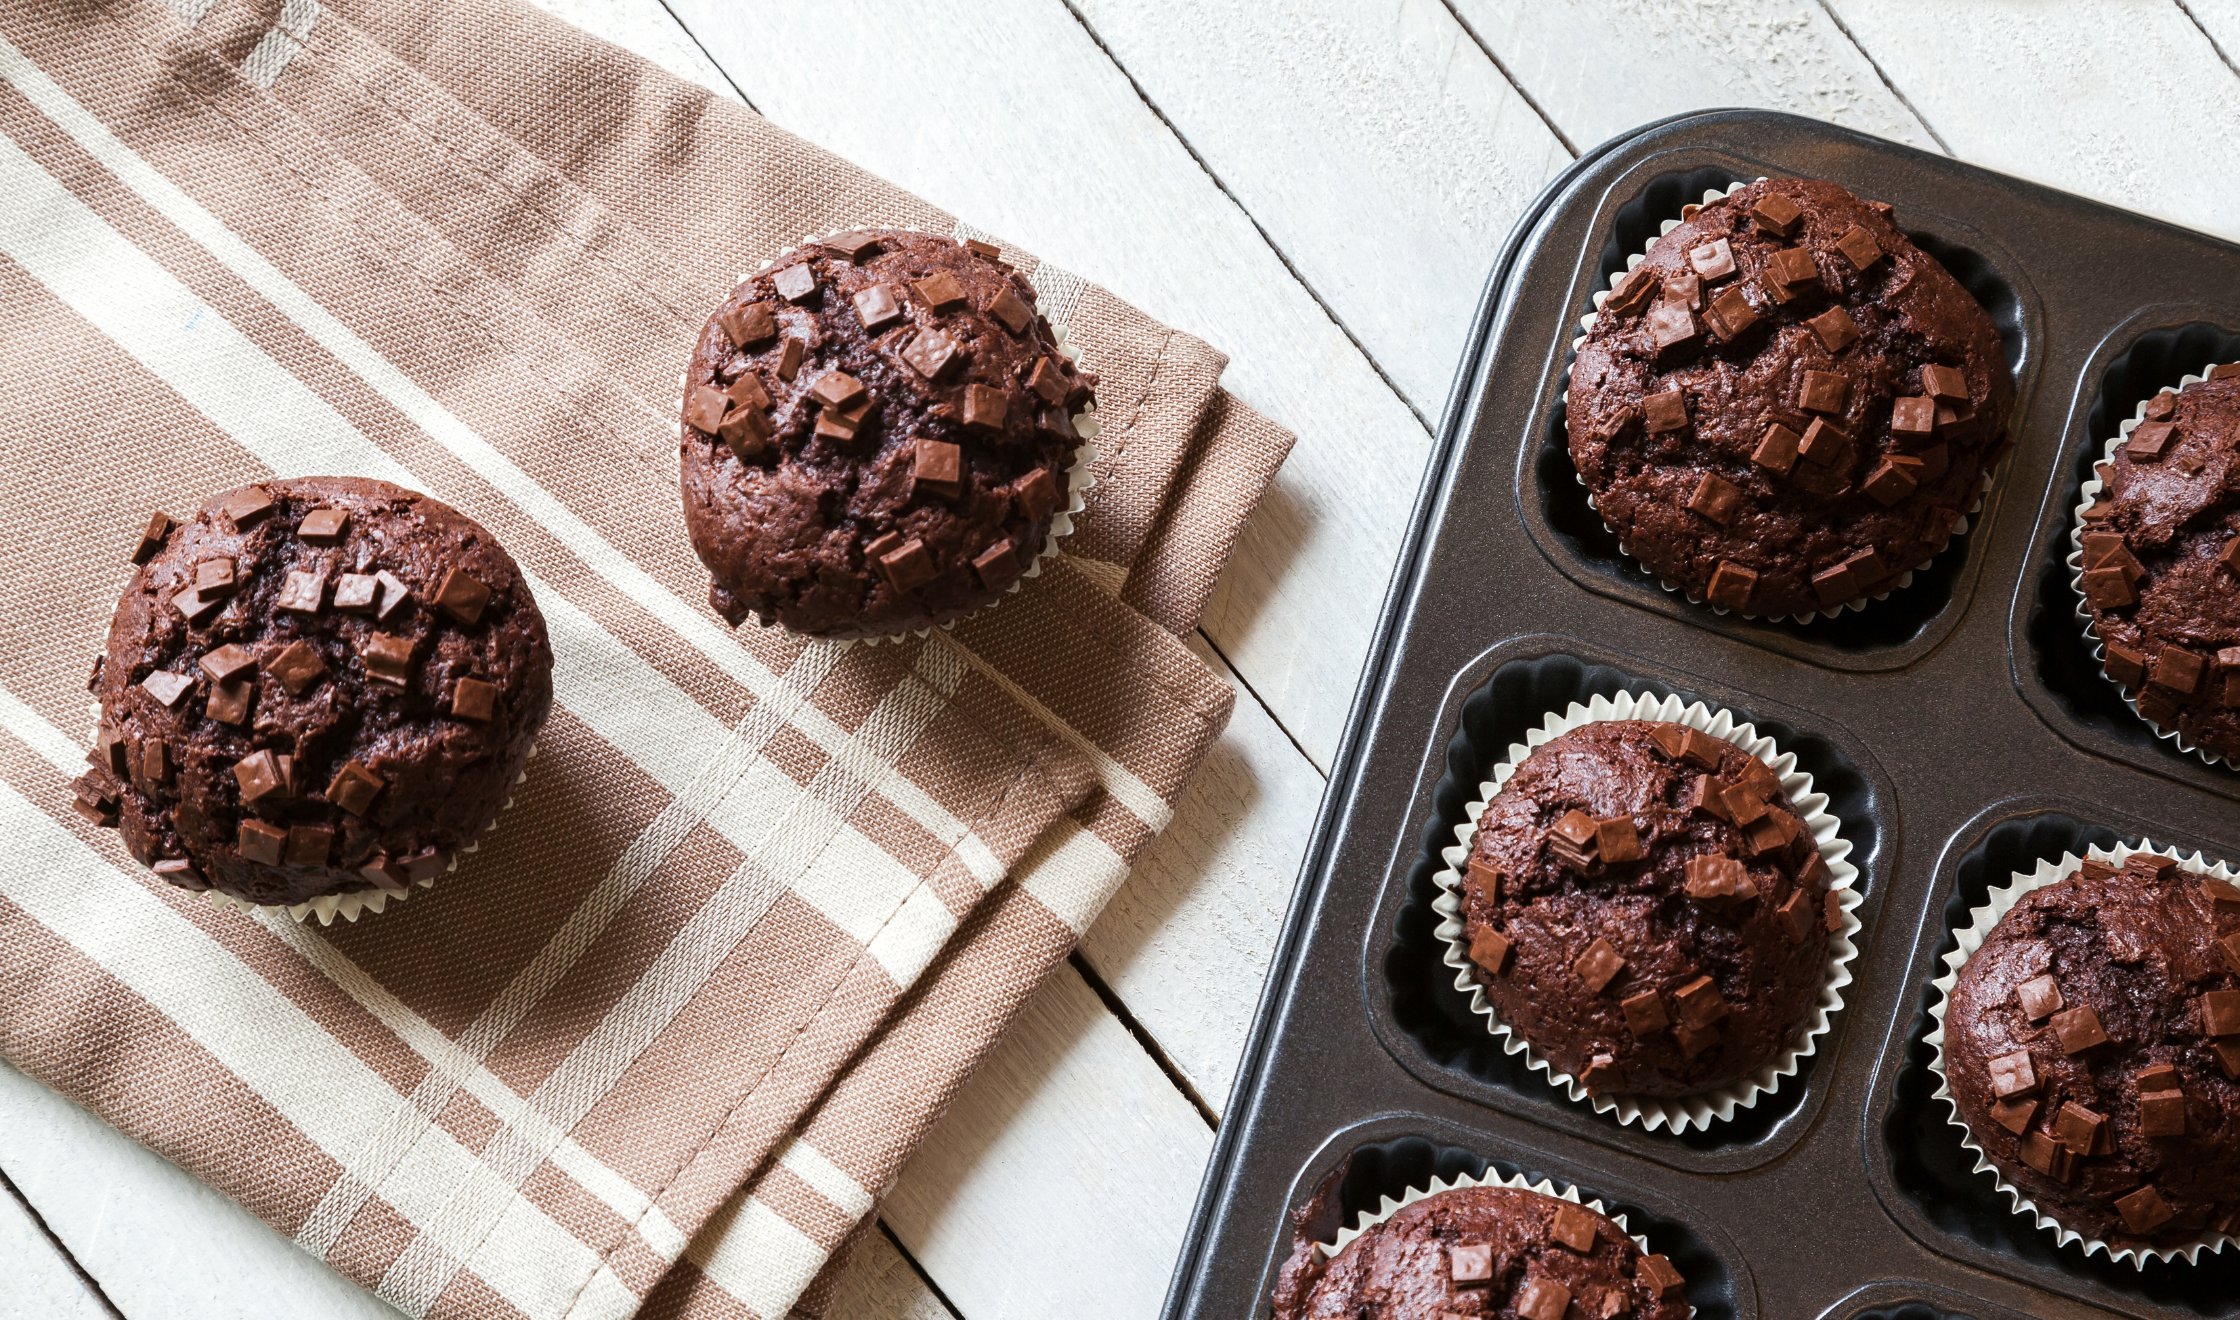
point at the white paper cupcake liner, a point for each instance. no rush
(1970, 937)
(1676, 1113)
(1080, 470)
(1389, 1207)
(2088, 496)
(1900, 583)
(350, 905)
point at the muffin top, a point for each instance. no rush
(876, 435)
(1493, 1251)
(315, 686)
(2162, 563)
(1787, 404)
(2091, 1045)
(1645, 907)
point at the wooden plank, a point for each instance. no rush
(1597, 69)
(36, 1281)
(1185, 943)
(2122, 101)
(644, 28)
(1008, 114)
(160, 1242)
(1062, 1179)
(882, 1285)
(1391, 108)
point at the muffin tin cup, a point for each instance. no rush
(1970, 938)
(1081, 471)
(1675, 1113)
(1904, 580)
(2088, 495)
(1545, 1187)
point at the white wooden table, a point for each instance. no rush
(1318, 189)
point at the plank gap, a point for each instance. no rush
(1273, 718)
(1127, 1018)
(2207, 35)
(708, 55)
(92, 1285)
(1222, 186)
(1486, 49)
(924, 1276)
(1876, 65)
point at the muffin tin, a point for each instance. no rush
(1959, 727)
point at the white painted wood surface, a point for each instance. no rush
(1316, 189)
(36, 1280)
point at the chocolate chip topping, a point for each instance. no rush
(1828, 317)
(1670, 955)
(1481, 1251)
(280, 741)
(907, 410)
(2082, 1049)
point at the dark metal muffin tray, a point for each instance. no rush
(1959, 727)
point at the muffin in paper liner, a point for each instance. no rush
(1586, 323)
(1969, 938)
(350, 905)
(2087, 496)
(1389, 1207)
(1676, 1113)
(1080, 470)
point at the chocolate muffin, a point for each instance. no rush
(876, 435)
(1492, 1251)
(1787, 404)
(2160, 572)
(314, 687)
(1647, 910)
(2091, 1046)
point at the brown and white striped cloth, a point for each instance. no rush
(761, 904)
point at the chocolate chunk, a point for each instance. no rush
(1700, 1003)
(156, 761)
(473, 699)
(937, 467)
(1574, 826)
(1673, 333)
(988, 250)
(385, 873)
(930, 353)
(426, 864)
(1714, 877)
(1011, 311)
(2223, 371)
(1824, 444)
(1776, 214)
(2160, 407)
(749, 325)
(877, 308)
(214, 577)
(297, 666)
(167, 687)
(354, 787)
(1789, 268)
(309, 845)
(2049, 1157)
(180, 872)
(1645, 1015)
(795, 283)
(388, 659)
(1695, 1040)
(2230, 556)
(789, 358)
(704, 407)
(1489, 949)
(1768, 834)
(2150, 441)
(1796, 916)
(1632, 293)
(1617, 841)
(1540, 1298)
(2078, 1029)
(1048, 381)
(1486, 877)
(908, 567)
(1671, 739)
(259, 776)
(355, 592)
(2162, 1113)
(461, 596)
(2230, 947)
(2228, 1057)
(841, 425)
(836, 389)
(748, 433)
(747, 392)
(394, 594)
(985, 408)
(1714, 260)
(1708, 796)
(1687, 290)
(1947, 384)
(1732, 315)
(1666, 411)
(1859, 248)
(1888, 483)
(854, 245)
(1700, 749)
(1037, 493)
(998, 565)
(1057, 423)
(1836, 329)
(940, 291)
(322, 526)
(1824, 391)
(1656, 1274)
(2039, 997)
(2179, 670)
(2220, 891)
(1744, 807)
(1471, 1263)
(194, 607)
(2144, 1210)
(1777, 450)
(225, 662)
(1598, 965)
(260, 842)
(1913, 420)
(2013, 1115)
(245, 507)
(2078, 1128)
(2109, 589)
(2220, 1013)
(2012, 1074)
(153, 536)
(1716, 499)
(303, 591)
(1574, 1227)
(1731, 585)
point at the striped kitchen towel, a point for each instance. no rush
(761, 904)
